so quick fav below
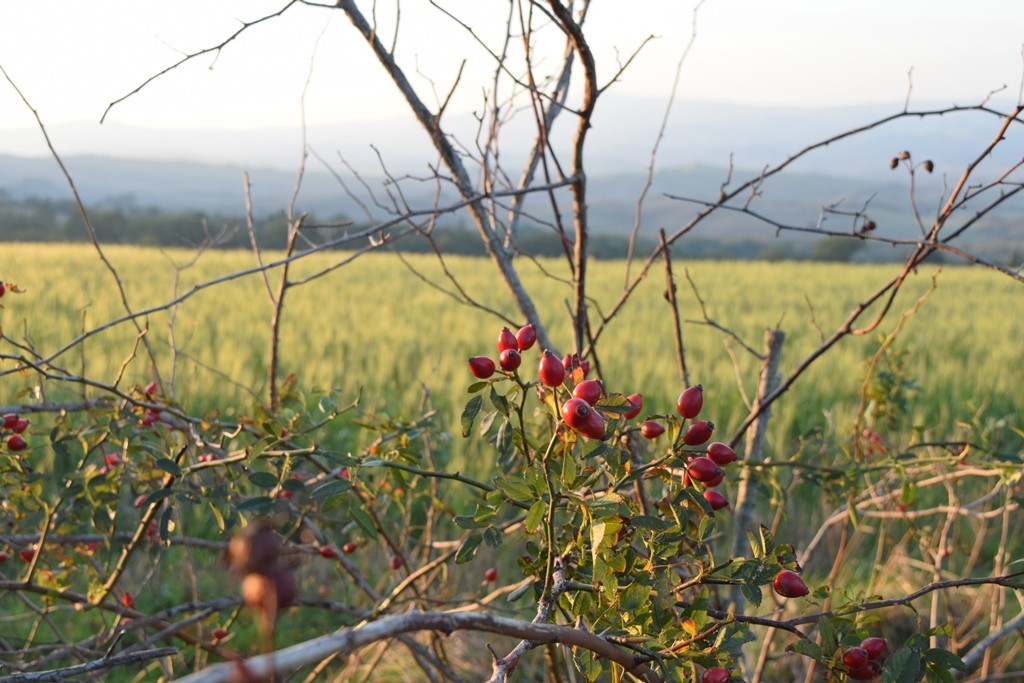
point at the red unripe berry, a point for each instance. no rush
(698, 432)
(151, 389)
(113, 459)
(638, 403)
(15, 443)
(507, 340)
(715, 499)
(721, 453)
(874, 646)
(3, 556)
(10, 419)
(140, 500)
(349, 548)
(510, 360)
(219, 634)
(482, 367)
(327, 552)
(788, 584)
(651, 429)
(690, 402)
(128, 600)
(703, 469)
(855, 658)
(526, 337)
(551, 372)
(589, 390)
(491, 575)
(27, 554)
(716, 674)
(396, 561)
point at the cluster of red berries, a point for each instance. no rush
(16, 425)
(704, 469)
(862, 661)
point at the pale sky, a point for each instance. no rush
(71, 58)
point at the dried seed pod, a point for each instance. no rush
(928, 165)
(904, 155)
(893, 162)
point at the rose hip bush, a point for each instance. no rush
(601, 528)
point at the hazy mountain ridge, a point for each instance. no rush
(203, 170)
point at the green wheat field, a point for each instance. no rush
(374, 325)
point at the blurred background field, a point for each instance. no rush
(375, 326)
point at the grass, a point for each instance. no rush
(374, 325)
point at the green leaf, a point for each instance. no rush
(587, 664)
(807, 648)
(363, 520)
(519, 592)
(902, 666)
(492, 537)
(263, 480)
(650, 523)
(476, 386)
(169, 466)
(944, 658)
(535, 516)
(499, 402)
(468, 548)
(469, 414)
(256, 504)
(332, 488)
(516, 489)
(485, 424)
(751, 594)
(569, 471)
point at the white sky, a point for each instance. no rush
(72, 57)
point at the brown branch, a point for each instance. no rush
(90, 667)
(189, 57)
(351, 640)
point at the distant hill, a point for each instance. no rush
(202, 170)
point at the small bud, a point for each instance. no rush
(928, 165)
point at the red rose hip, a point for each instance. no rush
(715, 674)
(638, 404)
(651, 429)
(510, 360)
(482, 367)
(551, 372)
(526, 337)
(491, 575)
(788, 584)
(589, 390)
(507, 340)
(703, 469)
(720, 453)
(690, 402)
(715, 499)
(698, 432)
(874, 646)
